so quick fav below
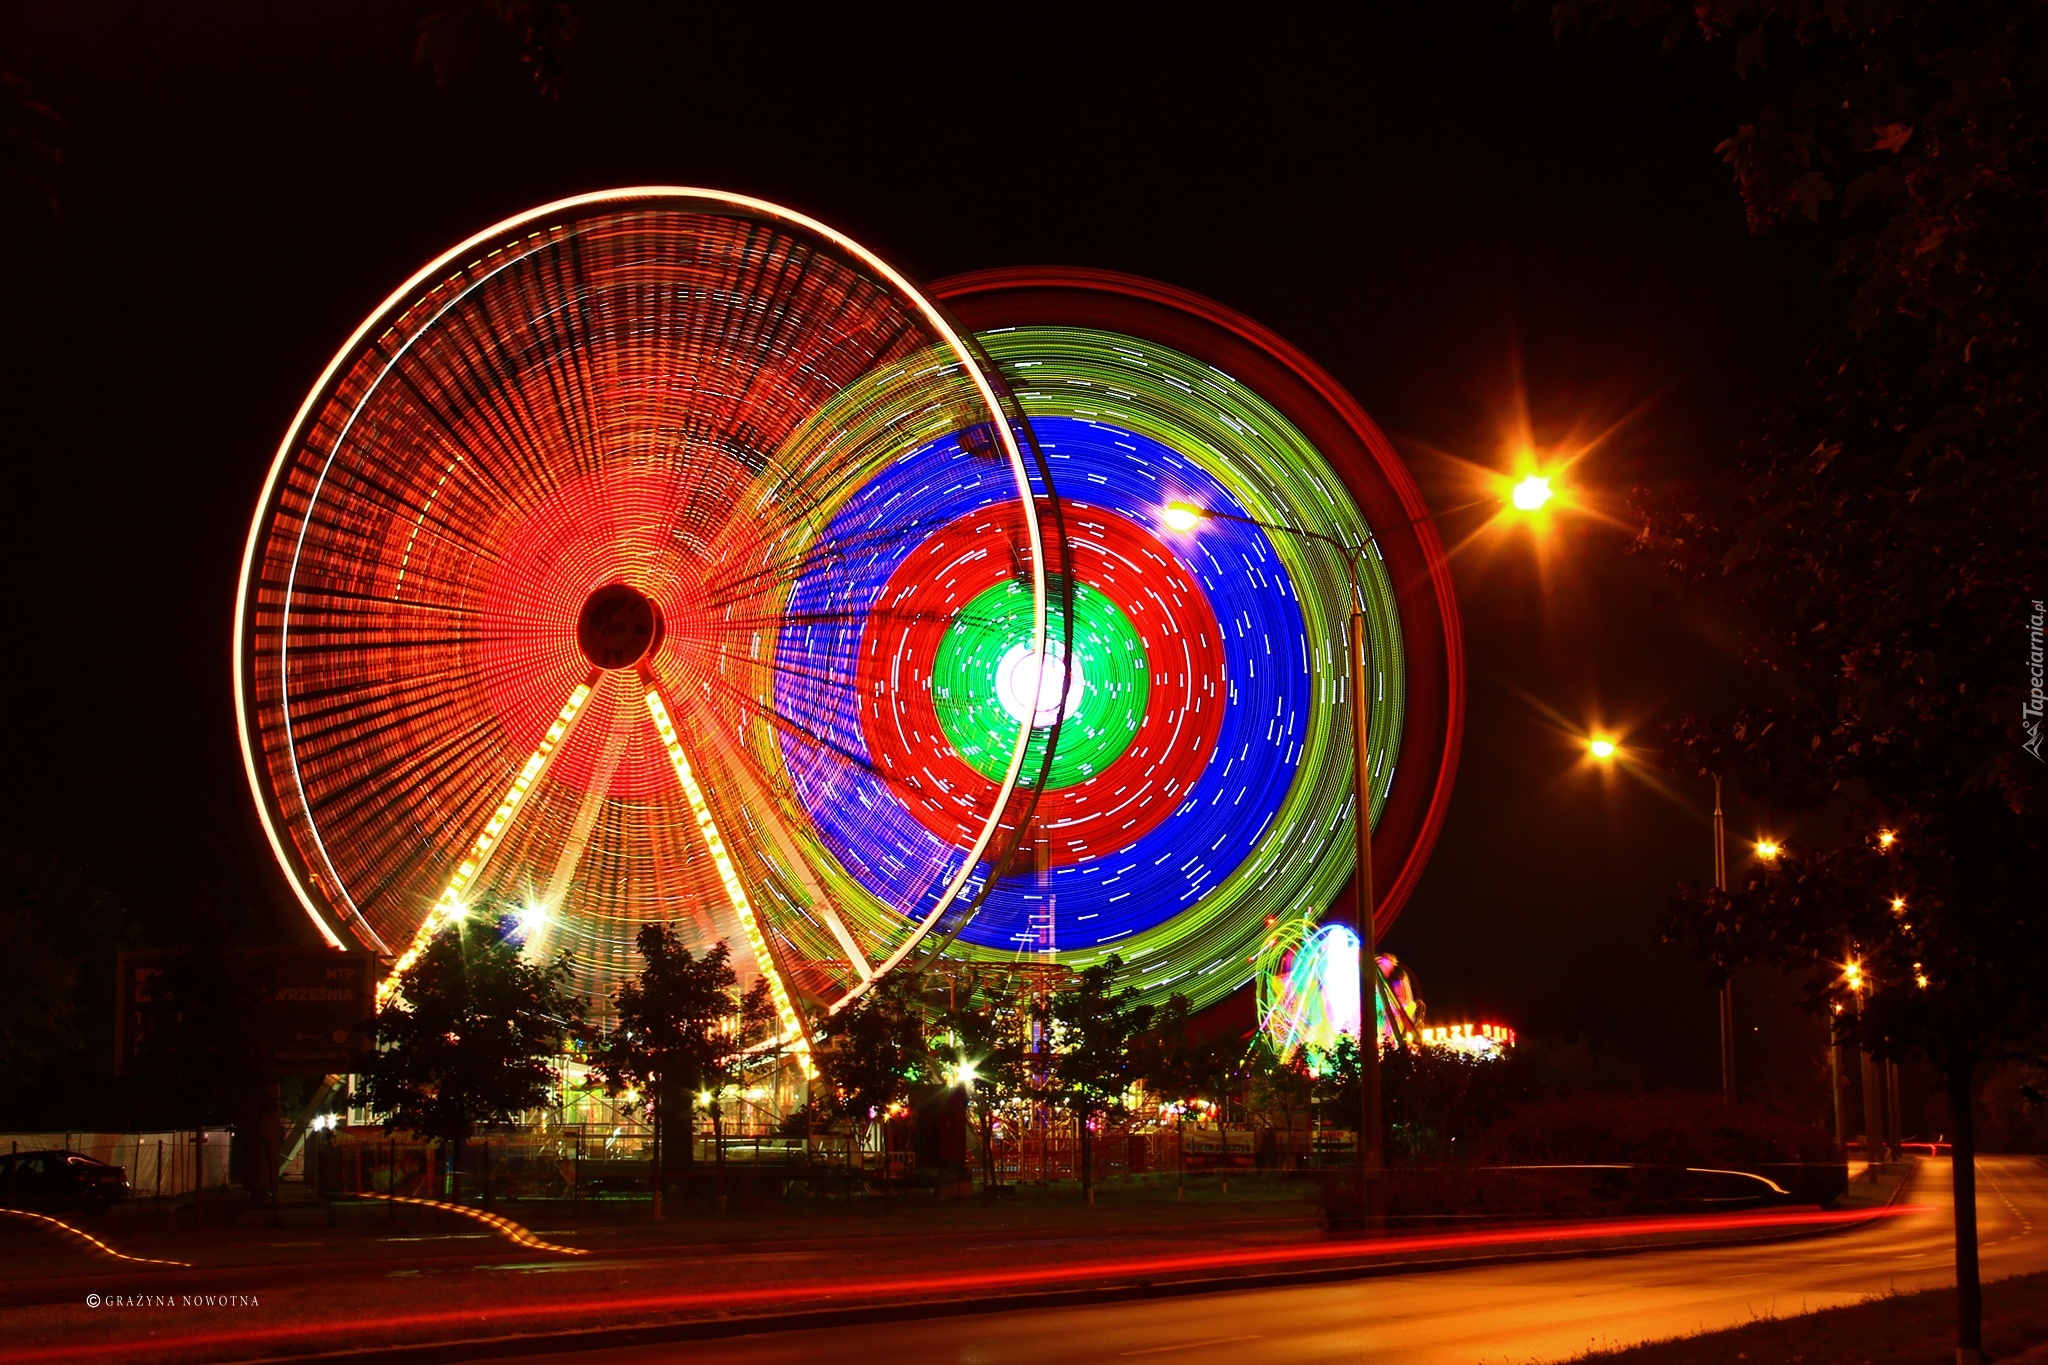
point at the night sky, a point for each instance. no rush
(1428, 201)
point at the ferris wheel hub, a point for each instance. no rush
(617, 627)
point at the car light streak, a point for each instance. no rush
(572, 1312)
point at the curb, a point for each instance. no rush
(709, 1329)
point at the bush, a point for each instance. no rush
(1657, 1128)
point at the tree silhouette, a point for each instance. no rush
(875, 1052)
(1094, 1060)
(470, 1037)
(1878, 548)
(682, 1024)
(990, 1041)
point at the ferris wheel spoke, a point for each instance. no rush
(449, 907)
(714, 844)
(767, 814)
(578, 841)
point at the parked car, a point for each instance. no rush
(60, 1180)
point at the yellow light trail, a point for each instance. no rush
(516, 1233)
(87, 1238)
(785, 1008)
(449, 907)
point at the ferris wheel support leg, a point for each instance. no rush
(714, 844)
(450, 906)
(770, 821)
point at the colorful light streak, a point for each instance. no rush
(1307, 979)
(1202, 778)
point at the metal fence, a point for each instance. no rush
(157, 1163)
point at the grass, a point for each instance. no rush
(1894, 1329)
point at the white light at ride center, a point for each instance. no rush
(1028, 684)
(785, 1008)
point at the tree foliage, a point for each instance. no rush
(982, 1035)
(472, 1034)
(681, 1028)
(876, 1052)
(62, 932)
(1094, 1060)
(1878, 548)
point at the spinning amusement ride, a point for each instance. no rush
(665, 556)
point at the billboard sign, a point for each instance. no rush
(310, 1009)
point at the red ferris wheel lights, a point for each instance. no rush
(450, 907)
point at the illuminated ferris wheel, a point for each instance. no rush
(591, 579)
(1201, 789)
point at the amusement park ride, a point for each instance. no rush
(663, 555)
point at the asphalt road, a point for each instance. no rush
(1541, 1311)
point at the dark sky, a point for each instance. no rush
(1417, 196)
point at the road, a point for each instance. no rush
(1512, 1314)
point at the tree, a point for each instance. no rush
(987, 1045)
(875, 1053)
(1281, 1090)
(681, 1026)
(470, 1037)
(63, 933)
(1094, 1062)
(1877, 547)
(1181, 1066)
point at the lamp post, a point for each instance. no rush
(1604, 751)
(1728, 982)
(1529, 496)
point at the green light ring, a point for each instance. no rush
(1107, 653)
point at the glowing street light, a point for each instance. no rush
(1603, 750)
(1886, 838)
(1769, 850)
(1181, 517)
(1852, 974)
(1531, 494)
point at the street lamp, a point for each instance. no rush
(1531, 493)
(1603, 750)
